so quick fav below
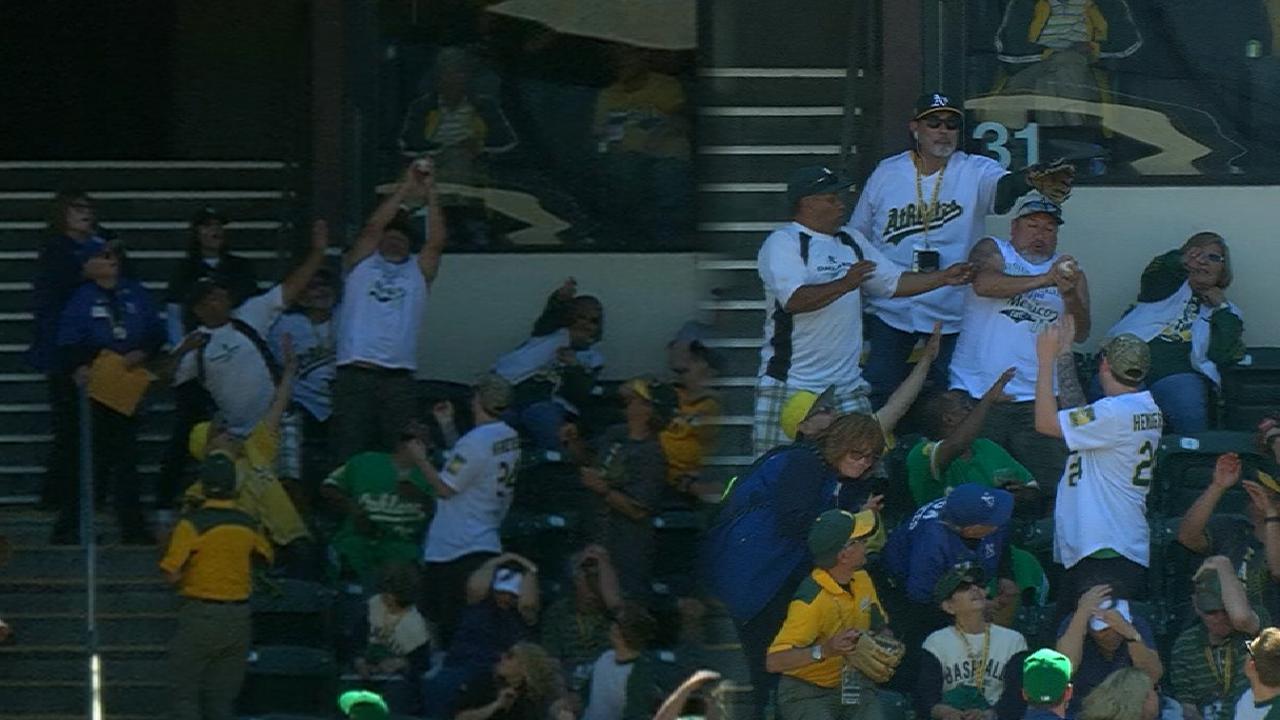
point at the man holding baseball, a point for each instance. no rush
(1021, 286)
(924, 209)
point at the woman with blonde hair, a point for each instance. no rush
(1126, 694)
(524, 683)
(1191, 328)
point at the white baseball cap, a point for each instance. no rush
(507, 580)
(1120, 606)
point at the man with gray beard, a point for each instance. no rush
(1021, 286)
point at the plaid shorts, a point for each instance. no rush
(289, 461)
(771, 395)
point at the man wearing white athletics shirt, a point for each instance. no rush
(924, 209)
(474, 493)
(228, 352)
(383, 306)
(1100, 520)
(813, 276)
(1020, 286)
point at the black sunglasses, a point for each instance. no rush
(933, 122)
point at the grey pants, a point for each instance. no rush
(207, 659)
(371, 406)
(1012, 426)
(799, 700)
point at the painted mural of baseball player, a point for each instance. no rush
(924, 209)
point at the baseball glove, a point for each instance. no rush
(1052, 180)
(877, 656)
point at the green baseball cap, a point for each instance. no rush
(1045, 676)
(363, 705)
(1208, 591)
(218, 476)
(834, 529)
(1129, 358)
(956, 578)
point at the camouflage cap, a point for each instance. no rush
(1128, 357)
(493, 392)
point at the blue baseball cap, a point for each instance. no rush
(815, 180)
(974, 504)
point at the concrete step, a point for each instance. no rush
(53, 561)
(62, 696)
(104, 175)
(770, 125)
(120, 664)
(761, 163)
(113, 628)
(816, 87)
(115, 595)
(153, 256)
(141, 205)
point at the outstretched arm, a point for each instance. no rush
(371, 235)
(904, 396)
(958, 442)
(284, 390)
(1049, 345)
(433, 248)
(297, 280)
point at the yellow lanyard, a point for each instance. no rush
(927, 212)
(980, 672)
(1228, 660)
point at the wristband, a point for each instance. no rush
(1273, 519)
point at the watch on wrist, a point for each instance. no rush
(815, 652)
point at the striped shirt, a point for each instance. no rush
(1066, 25)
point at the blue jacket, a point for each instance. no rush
(920, 552)
(91, 317)
(58, 274)
(760, 539)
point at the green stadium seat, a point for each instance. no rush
(289, 679)
(292, 612)
(1250, 389)
(1184, 468)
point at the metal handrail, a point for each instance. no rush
(88, 537)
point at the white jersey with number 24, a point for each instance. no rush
(1102, 497)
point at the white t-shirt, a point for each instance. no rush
(1102, 496)
(314, 344)
(383, 306)
(960, 662)
(813, 350)
(482, 469)
(608, 688)
(1247, 710)
(888, 214)
(401, 633)
(236, 374)
(1010, 324)
(538, 356)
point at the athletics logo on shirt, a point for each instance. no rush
(906, 221)
(1082, 416)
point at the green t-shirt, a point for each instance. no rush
(370, 479)
(987, 462)
(1197, 678)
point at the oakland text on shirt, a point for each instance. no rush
(906, 221)
(832, 268)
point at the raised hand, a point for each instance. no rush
(996, 391)
(1226, 471)
(934, 344)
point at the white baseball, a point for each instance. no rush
(1067, 268)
